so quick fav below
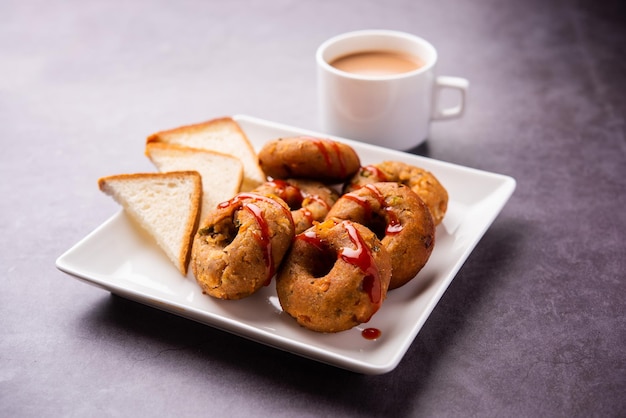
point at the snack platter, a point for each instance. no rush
(120, 258)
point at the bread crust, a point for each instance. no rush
(215, 187)
(181, 260)
(238, 146)
(194, 128)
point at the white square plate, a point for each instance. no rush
(120, 258)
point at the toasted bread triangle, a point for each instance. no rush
(222, 135)
(221, 174)
(166, 205)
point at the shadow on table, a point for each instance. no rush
(306, 384)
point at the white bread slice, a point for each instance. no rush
(166, 205)
(221, 173)
(222, 135)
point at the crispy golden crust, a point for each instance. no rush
(193, 129)
(240, 244)
(223, 135)
(399, 218)
(335, 276)
(311, 158)
(309, 200)
(421, 181)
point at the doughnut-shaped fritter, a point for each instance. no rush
(240, 244)
(399, 218)
(335, 276)
(421, 181)
(309, 200)
(310, 158)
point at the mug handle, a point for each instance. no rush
(455, 83)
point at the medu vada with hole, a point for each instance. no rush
(310, 158)
(334, 277)
(399, 218)
(421, 181)
(308, 200)
(240, 244)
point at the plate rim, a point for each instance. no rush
(505, 189)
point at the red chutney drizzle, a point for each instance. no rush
(288, 192)
(361, 201)
(372, 170)
(322, 147)
(315, 198)
(264, 237)
(361, 257)
(311, 238)
(308, 215)
(394, 226)
(238, 200)
(371, 333)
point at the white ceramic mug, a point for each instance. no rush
(394, 110)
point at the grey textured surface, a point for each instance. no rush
(533, 325)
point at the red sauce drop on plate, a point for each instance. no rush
(371, 333)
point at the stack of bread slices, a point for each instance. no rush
(198, 166)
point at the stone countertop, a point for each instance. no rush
(534, 322)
